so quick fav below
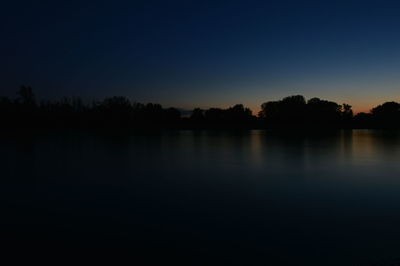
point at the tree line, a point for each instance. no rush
(24, 111)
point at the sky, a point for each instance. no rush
(204, 54)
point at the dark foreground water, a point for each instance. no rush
(248, 198)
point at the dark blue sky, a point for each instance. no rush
(203, 53)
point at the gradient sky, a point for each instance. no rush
(203, 53)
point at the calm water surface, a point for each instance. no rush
(249, 198)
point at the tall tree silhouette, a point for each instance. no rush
(26, 96)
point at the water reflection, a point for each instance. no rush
(304, 198)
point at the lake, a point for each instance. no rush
(229, 197)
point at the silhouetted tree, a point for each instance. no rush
(26, 96)
(197, 115)
(119, 112)
(386, 115)
(238, 113)
(289, 111)
(322, 112)
(295, 111)
(388, 109)
(347, 112)
(270, 110)
(362, 120)
(115, 111)
(214, 115)
(172, 115)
